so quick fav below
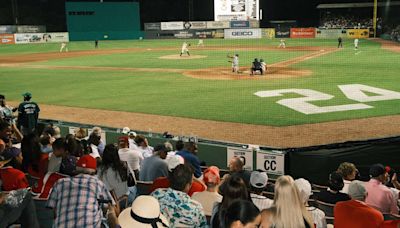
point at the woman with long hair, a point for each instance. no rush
(288, 210)
(241, 213)
(233, 188)
(113, 172)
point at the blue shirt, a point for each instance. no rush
(193, 160)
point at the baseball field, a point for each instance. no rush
(313, 93)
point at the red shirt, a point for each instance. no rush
(42, 166)
(12, 179)
(163, 182)
(356, 214)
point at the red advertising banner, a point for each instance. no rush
(302, 33)
(7, 39)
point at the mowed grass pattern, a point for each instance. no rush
(172, 94)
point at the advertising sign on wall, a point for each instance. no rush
(268, 33)
(198, 25)
(7, 39)
(236, 10)
(244, 154)
(152, 26)
(357, 33)
(9, 29)
(271, 162)
(240, 24)
(174, 25)
(54, 37)
(242, 33)
(254, 24)
(31, 28)
(331, 33)
(282, 32)
(217, 24)
(302, 33)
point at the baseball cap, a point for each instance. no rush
(86, 164)
(211, 175)
(126, 130)
(27, 94)
(11, 152)
(376, 170)
(357, 190)
(258, 179)
(175, 160)
(124, 139)
(304, 188)
(161, 147)
(144, 212)
(132, 133)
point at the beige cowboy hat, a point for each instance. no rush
(145, 212)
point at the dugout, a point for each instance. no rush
(103, 20)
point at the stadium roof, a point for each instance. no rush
(356, 5)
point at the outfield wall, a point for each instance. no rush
(314, 163)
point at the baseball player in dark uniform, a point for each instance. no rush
(340, 42)
(28, 115)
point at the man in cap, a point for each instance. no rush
(176, 205)
(75, 200)
(133, 157)
(189, 153)
(132, 143)
(156, 165)
(380, 196)
(356, 213)
(258, 182)
(207, 198)
(28, 115)
(11, 177)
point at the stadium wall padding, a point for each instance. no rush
(103, 20)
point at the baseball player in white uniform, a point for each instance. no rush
(356, 44)
(200, 43)
(282, 44)
(185, 48)
(64, 46)
(235, 63)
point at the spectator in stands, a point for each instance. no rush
(74, 147)
(288, 209)
(241, 213)
(132, 157)
(45, 143)
(189, 153)
(35, 162)
(6, 112)
(258, 182)
(156, 165)
(379, 196)
(333, 195)
(355, 212)
(176, 205)
(18, 207)
(5, 135)
(113, 172)
(236, 168)
(163, 182)
(132, 143)
(94, 142)
(11, 176)
(28, 115)
(145, 212)
(60, 160)
(179, 145)
(98, 131)
(143, 146)
(233, 188)
(349, 172)
(211, 196)
(76, 200)
(80, 133)
(305, 192)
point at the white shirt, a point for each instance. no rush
(318, 217)
(207, 200)
(95, 151)
(132, 157)
(184, 47)
(235, 61)
(345, 188)
(261, 202)
(146, 152)
(356, 42)
(132, 144)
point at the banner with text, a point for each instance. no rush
(244, 154)
(31, 29)
(330, 33)
(358, 33)
(242, 33)
(8, 29)
(173, 25)
(217, 24)
(271, 161)
(152, 26)
(236, 10)
(240, 24)
(268, 33)
(53, 37)
(302, 33)
(198, 25)
(282, 32)
(7, 39)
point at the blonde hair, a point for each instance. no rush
(346, 169)
(289, 210)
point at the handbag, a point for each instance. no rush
(131, 176)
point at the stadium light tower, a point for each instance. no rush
(375, 16)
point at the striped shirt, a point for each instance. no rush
(76, 201)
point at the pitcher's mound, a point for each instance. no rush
(182, 57)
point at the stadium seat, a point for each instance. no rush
(45, 215)
(327, 208)
(143, 187)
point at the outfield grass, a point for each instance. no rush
(173, 94)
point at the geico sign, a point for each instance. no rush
(243, 33)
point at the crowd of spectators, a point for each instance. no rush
(395, 34)
(88, 183)
(333, 21)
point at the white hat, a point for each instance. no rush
(357, 190)
(175, 160)
(258, 179)
(304, 189)
(132, 133)
(125, 130)
(144, 212)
